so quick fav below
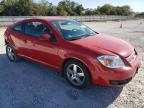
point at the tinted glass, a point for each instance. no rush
(36, 29)
(70, 29)
(18, 28)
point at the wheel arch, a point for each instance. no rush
(6, 42)
(82, 62)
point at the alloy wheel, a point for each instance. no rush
(75, 74)
(10, 53)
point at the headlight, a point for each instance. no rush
(111, 61)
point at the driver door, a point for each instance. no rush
(45, 52)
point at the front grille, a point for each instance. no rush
(120, 82)
(132, 57)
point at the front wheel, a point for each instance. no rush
(11, 53)
(77, 74)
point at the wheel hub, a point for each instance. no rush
(10, 53)
(75, 74)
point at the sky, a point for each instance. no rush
(136, 5)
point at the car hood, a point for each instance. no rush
(107, 43)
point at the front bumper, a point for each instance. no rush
(116, 77)
(120, 82)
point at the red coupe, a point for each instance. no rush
(80, 54)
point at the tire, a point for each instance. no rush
(77, 74)
(11, 54)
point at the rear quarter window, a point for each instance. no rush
(18, 28)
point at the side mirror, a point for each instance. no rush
(45, 37)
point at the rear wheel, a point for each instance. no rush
(77, 74)
(11, 53)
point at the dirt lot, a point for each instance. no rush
(28, 85)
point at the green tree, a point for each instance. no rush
(89, 12)
(79, 10)
(61, 11)
(1, 9)
(42, 8)
(106, 9)
(26, 7)
(126, 10)
(20, 8)
(8, 7)
(52, 10)
(64, 8)
(67, 7)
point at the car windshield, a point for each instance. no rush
(72, 30)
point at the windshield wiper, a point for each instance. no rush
(74, 38)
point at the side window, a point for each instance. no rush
(36, 29)
(18, 28)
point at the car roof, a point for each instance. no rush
(56, 18)
(45, 19)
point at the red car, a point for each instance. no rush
(80, 54)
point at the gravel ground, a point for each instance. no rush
(28, 85)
